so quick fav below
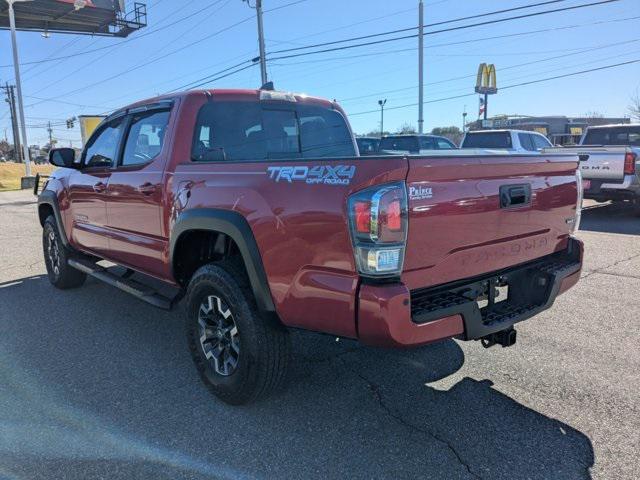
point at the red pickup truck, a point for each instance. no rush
(256, 207)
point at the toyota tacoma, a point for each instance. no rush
(254, 210)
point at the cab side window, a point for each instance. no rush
(540, 142)
(145, 138)
(444, 144)
(526, 142)
(102, 149)
(426, 143)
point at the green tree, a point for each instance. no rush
(5, 148)
(452, 133)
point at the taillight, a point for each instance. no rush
(378, 224)
(362, 211)
(630, 163)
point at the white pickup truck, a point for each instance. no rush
(609, 162)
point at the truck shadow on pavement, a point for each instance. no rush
(95, 383)
(611, 218)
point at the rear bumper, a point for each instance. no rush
(603, 190)
(393, 316)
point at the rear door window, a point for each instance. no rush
(487, 140)
(235, 131)
(145, 138)
(323, 133)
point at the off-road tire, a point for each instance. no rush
(60, 274)
(264, 344)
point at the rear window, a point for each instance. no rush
(613, 136)
(406, 144)
(487, 140)
(248, 131)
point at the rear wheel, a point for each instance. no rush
(56, 255)
(240, 355)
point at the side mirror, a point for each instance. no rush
(63, 157)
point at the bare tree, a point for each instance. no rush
(407, 128)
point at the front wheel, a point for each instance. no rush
(240, 355)
(56, 255)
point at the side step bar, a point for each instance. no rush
(124, 283)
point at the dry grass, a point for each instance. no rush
(11, 173)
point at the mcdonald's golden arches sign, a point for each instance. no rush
(486, 82)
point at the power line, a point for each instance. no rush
(137, 37)
(222, 76)
(139, 66)
(72, 73)
(531, 82)
(525, 76)
(510, 67)
(284, 6)
(212, 77)
(489, 22)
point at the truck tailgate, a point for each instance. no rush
(469, 216)
(598, 163)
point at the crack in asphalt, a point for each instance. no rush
(614, 264)
(619, 275)
(330, 358)
(26, 265)
(376, 390)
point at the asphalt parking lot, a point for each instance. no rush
(95, 384)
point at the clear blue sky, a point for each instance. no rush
(579, 39)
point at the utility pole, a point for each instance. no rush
(421, 67)
(382, 103)
(50, 130)
(16, 66)
(11, 100)
(263, 60)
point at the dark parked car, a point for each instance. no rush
(414, 143)
(368, 145)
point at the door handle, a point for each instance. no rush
(99, 187)
(147, 188)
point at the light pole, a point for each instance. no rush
(382, 104)
(16, 66)
(464, 119)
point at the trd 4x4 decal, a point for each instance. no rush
(319, 174)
